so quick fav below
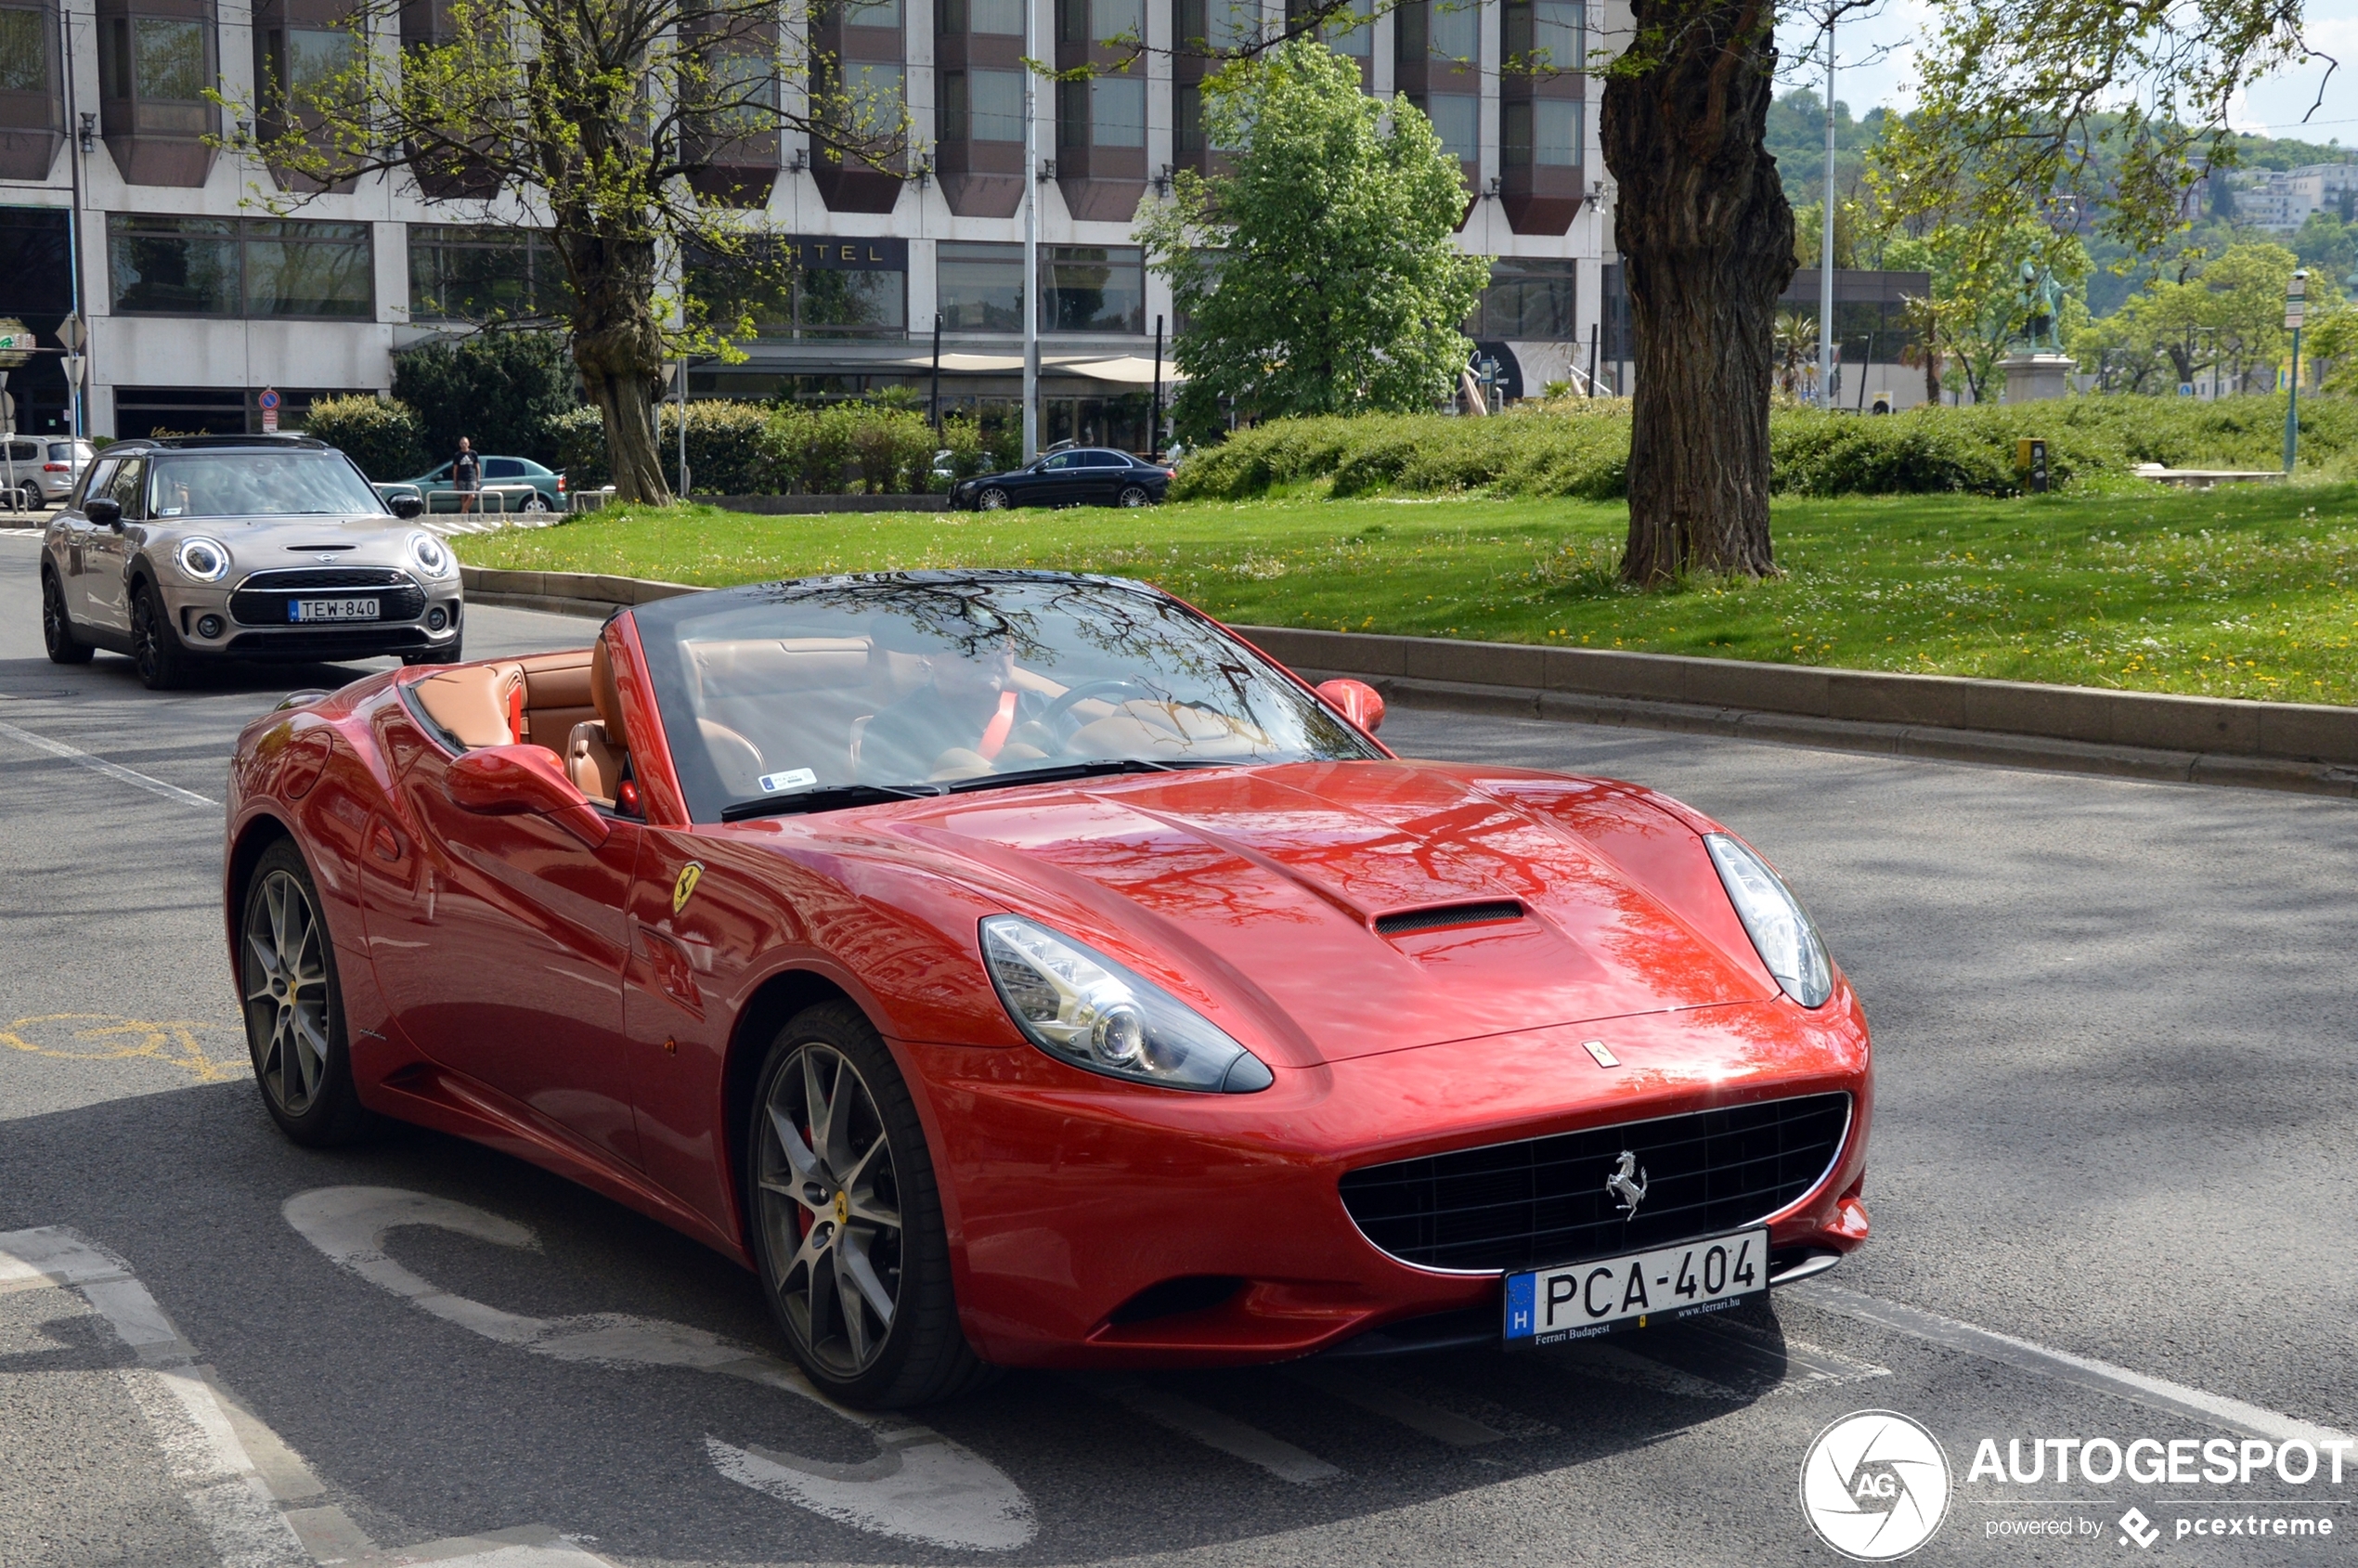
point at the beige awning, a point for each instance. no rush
(1132, 370)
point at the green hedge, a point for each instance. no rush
(751, 449)
(385, 439)
(1581, 448)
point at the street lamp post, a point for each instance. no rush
(1031, 244)
(2296, 304)
(1826, 243)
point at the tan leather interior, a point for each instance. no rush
(474, 701)
(594, 767)
(556, 697)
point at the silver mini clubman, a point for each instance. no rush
(181, 550)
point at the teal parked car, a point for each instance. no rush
(527, 486)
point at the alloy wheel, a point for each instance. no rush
(145, 652)
(286, 990)
(830, 1201)
(1135, 495)
(993, 500)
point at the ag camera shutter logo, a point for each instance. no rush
(1874, 1485)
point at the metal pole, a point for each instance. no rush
(2296, 307)
(1031, 244)
(1864, 366)
(1154, 426)
(934, 397)
(680, 398)
(1592, 357)
(8, 447)
(1826, 245)
(74, 421)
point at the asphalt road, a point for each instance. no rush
(2115, 1121)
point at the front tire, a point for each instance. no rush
(992, 499)
(294, 1005)
(164, 664)
(57, 626)
(846, 1219)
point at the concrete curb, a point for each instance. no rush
(2308, 747)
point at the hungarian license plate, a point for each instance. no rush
(1550, 1306)
(304, 609)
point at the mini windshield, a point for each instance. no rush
(794, 696)
(183, 484)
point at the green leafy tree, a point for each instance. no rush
(503, 391)
(1322, 276)
(619, 124)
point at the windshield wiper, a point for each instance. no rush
(1083, 770)
(830, 797)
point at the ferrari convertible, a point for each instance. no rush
(1019, 970)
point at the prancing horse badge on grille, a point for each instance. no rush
(1629, 1184)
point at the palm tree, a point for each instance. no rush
(1796, 345)
(1922, 318)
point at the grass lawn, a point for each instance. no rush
(2243, 592)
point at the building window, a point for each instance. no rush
(1117, 111)
(1210, 25)
(979, 287)
(1529, 300)
(1092, 289)
(1452, 29)
(1456, 120)
(1356, 37)
(873, 13)
(991, 104)
(1186, 117)
(155, 59)
(1003, 18)
(301, 66)
(230, 267)
(470, 274)
(834, 288)
(1541, 131)
(1546, 36)
(24, 57)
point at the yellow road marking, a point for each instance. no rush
(107, 1037)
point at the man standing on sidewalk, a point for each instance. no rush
(466, 476)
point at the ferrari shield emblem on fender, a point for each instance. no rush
(684, 890)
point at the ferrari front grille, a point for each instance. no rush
(262, 599)
(1543, 1201)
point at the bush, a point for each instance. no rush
(579, 439)
(728, 446)
(1577, 447)
(500, 390)
(382, 437)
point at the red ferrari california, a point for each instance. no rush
(1018, 969)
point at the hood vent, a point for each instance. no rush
(1448, 914)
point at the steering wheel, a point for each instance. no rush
(1086, 690)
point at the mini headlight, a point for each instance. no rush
(433, 557)
(1082, 1008)
(207, 561)
(1778, 927)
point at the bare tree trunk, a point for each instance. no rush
(619, 349)
(1706, 238)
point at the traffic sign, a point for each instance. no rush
(71, 333)
(74, 365)
(269, 398)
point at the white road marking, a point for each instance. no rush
(1213, 1430)
(239, 1473)
(1445, 1426)
(2099, 1377)
(112, 770)
(1612, 1364)
(921, 1486)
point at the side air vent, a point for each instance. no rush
(1448, 914)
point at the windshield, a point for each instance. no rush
(953, 680)
(257, 485)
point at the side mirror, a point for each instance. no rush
(406, 506)
(523, 781)
(105, 510)
(1356, 701)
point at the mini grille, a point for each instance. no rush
(262, 599)
(1449, 915)
(1543, 1201)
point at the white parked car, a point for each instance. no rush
(46, 465)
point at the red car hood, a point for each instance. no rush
(1262, 889)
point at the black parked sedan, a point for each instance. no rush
(1083, 477)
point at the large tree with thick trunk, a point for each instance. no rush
(619, 126)
(1707, 245)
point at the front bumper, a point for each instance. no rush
(1093, 1221)
(434, 624)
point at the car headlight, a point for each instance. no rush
(1082, 1008)
(1778, 927)
(202, 560)
(433, 557)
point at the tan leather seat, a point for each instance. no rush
(596, 752)
(479, 704)
(556, 696)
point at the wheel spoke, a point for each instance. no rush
(274, 902)
(818, 1107)
(798, 1156)
(313, 1061)
(848, 1301)
(851, 1259)
(836, 1142)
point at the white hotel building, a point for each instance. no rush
(198, 299)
